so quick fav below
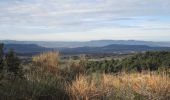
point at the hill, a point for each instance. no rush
(114, 48)
(94, 43)
(25, 49)
(32, 49)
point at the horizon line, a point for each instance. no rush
(81, 40)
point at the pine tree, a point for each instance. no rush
(1, 57)
(13, 63)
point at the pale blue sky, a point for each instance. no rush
(82, 20)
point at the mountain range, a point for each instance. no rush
(113, 48)
(94, 43)
(25, 49)
(32, 49)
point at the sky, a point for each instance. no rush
(84, 20)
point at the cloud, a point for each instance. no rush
(81, 16)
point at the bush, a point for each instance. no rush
(149, 61)
(1, 57)
(47, 61)
(44, 78)
(13, 63)
(121, 87)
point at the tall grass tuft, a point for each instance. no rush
(121, 87)
(44, 77)
(47, 61)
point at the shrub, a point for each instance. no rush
(13, 63)
(149, 61)
(44, 77)
(47, 61)
(121, 87)
(72, 70)
(1, 57)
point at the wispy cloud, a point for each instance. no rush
(77, 17)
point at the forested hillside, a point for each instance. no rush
(151, 61)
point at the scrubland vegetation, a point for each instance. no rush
(121, 87)
(140, 77)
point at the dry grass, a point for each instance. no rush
(48, 78)
(121, 87)
(155, 87)
(47, 61)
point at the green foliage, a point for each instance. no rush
(12, 63)
(40, 84)
(103, 66)
(1, 57)
(150, 61)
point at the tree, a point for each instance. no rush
(1, 57)
(12, 63)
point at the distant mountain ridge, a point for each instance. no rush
(25, 49)
(114, 48)
(94, 43)
(32, 49)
